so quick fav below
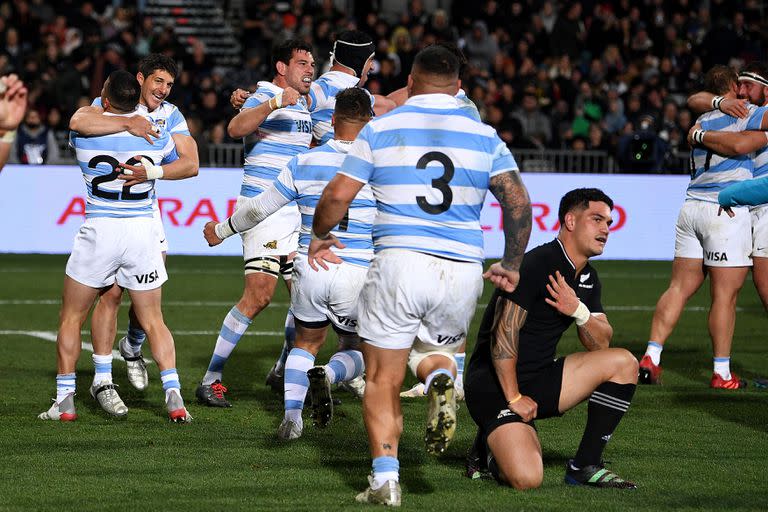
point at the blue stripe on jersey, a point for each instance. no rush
(264, 146)
(404, 175)
(282, 125)
(754, 122)
(458, 111)
(415, 137)
(456, 212)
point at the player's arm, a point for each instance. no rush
(89, 120)
(382, 104)
(512, 195)
(594, 330)
(505, 341)
(188, 163)
(705, 101)
(399, 96)
(249, 120)
(250, 214)
(7, 139)
(727, 143)
(744, 193)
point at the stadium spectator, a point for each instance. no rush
(35, 142)
(642, 151)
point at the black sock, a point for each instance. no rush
(607, 406)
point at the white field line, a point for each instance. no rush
(216, 303)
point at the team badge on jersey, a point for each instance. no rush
(271, 245)
(158, 125)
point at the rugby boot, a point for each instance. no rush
(595, 476)
(61, 411)
(137, 367)
(441, 418)
(106, 394)
(288, 430)
(175, 405)
(320, 392)
(212, 394)
(388, 494)
(649, 373)
(734, 382)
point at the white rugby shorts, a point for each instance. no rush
(123, 250)
(421, 351)
(408, 293)
(721, 241)
(159, 229)
(759, 231)
(277, 235)
(327, 294)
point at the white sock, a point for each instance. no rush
(103, 365)
(723, 367)
(296, 382)
(65, 384)
(232, 329)
(654, 351)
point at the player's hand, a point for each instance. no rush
(693, 128)
(726, 209)
(502, 278)
(13, 102)
(238, 97)
(320, 252)
(525, 407)
(132, 174)
(210, 234)
(734, 107)
(141, 127)
(290, 96)
(563, 299)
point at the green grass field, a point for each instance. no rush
(687, 447)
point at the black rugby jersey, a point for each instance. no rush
(544, 325)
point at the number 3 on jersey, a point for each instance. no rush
(126, 193)
(440, 183)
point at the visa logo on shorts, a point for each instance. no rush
(715, 256)
(447, 339)
(148, 278)
(345, 320)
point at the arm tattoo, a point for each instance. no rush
(589, 341)
(505, 334)
(516, 215)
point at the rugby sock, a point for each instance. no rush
(344, 365)
(723, 367)
(459, 358)
(235, 324)
(136, 337)
(296, 382)
(654, 351)
(290, 337)
(607, 406)
(170, 379)
(385, 469)
(65, 384)
(434, 374)
(103, 365)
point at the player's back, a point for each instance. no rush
(429, 164)
(285, 133)
(323, 95)
(711, 172)
(304, 180)
(99, 157)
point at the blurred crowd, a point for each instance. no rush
(610, 76)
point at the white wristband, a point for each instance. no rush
(276, 101)
(224, 229)
(581, 314)
(698, 136)
(716, 101)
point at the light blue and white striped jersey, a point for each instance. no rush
(323, 95)
(303, 181)
(761, 155)
(285, 133)
(166, 117)
(99, 156)
(429, 164)
(468, 105)
(711, 172)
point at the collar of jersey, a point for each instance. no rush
(565, 253)
(347, 79)
(340, 146)
(435, 100)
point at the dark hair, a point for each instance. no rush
(353, 104)
(284, 51)
(456, 51)
(719, 79)
(758, 68)
(437, 60)
(122, 90)
(155, 61)
(579, 199)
